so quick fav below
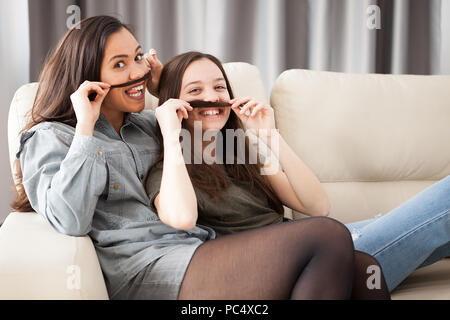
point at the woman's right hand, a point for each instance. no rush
(87, 111)
(169, 116)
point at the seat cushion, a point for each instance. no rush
(428, 283)
(36, 262)
(374, 140)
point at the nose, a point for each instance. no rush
(138, 71)
(210, 95)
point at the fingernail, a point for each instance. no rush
(152, 51)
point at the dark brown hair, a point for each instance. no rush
(76, 58)
(210, 178)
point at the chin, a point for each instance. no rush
(135, 109)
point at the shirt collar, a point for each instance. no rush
(104, 126)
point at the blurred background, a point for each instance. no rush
(357, 36)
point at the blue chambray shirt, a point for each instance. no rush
(96, 186)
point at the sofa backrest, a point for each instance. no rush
(373, 140)
(245, 80)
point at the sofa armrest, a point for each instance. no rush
(36, 262)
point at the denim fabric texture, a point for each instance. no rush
(96, 186)
(411, 236)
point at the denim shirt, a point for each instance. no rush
(96, 186)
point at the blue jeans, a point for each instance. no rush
(411, 236)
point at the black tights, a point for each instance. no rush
(311, 258)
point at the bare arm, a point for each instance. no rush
(176, 202)
(296, 185)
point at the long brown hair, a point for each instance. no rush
(76, 58)
(211, 178)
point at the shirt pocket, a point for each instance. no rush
(148, 157)
(114, 170)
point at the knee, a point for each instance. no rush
(333, 232)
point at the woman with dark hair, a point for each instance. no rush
(84, 157)
(243, 206)
(231, 197)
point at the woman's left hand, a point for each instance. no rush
(254, 114)
(156, 69)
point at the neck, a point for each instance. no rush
(114, 117)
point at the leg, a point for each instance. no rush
(438, 254)
(369, 282)
(310, 258)
(407, 236)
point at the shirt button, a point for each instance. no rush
(116, 186)
(100, 154)
(142, 176)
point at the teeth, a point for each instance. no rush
(210, 112)
(138, 87)
(135, 94)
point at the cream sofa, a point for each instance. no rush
(373, 140)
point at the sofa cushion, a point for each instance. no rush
(429, 283)
(374, 140)
(36, 262)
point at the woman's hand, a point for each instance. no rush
(87, 111)
(169, 116)
(254, 114)
(156, 68)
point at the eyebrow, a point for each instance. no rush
(124, 55)
(196, 82)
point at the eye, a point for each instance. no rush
(220, 87)
(194, 90)
(139, 57)
(119, 64)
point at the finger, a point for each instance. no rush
(189, 107)
(179, 115)
(101, 94)
(257, 109)
(248, 107)
(102, 85)
(238, 113)
(184, 111)
(185, 104)
(239, 101)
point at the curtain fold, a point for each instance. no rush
(275, 35)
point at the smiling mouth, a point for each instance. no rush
(136, 91)
(211, 113)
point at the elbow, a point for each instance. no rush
(180, 224)
(188, 225)
(324, 209)
(72, 230)
(70, 227)
(174, 219)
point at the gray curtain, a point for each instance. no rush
(275, 35)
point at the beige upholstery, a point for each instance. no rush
(373, 140)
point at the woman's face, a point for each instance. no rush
(123, 61)
(203, 80)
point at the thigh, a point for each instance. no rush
(161, 279)
(262, 263)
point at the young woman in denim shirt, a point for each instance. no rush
(84, 157)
